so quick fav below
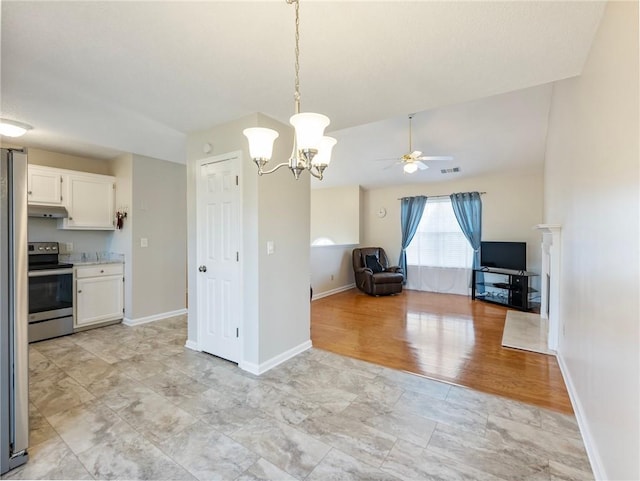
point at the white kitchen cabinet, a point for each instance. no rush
(99, 294)
(90, 202)
(44, 185)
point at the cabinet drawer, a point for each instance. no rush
(99, 270)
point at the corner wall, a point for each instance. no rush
(275, 288)
(591, 189)
(336, 214)
(158, 214)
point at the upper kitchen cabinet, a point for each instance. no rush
(44, 185)
(90, 200)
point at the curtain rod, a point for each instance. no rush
(436, 196)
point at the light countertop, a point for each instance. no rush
(92, 258)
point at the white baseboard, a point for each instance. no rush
(192, 345)
(331, 292)
(156, 317)
(258, 369)
(587, 438)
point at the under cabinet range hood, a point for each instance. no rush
(48, 211)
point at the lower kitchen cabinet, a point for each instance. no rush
(99, 294)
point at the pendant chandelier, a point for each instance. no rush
(311, 149)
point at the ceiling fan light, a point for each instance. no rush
(260, 142)
(323, 157)
(309, 129)
(12, 128)
(410, 168)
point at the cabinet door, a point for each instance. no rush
(98, 299)
(90, 203)
(44, 186)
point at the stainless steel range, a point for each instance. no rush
(50, 293)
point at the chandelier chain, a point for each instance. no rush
(315, 154)
(296, 96)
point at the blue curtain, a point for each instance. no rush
(467, 206)
(411, 209)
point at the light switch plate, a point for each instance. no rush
(271, 248)
(144, 242)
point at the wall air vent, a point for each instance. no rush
(450, 171)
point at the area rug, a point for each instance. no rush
(527, 331)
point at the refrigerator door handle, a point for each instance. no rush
(20, 344)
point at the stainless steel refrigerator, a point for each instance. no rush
(14, 307)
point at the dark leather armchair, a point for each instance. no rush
(388, 281)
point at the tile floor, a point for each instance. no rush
(526, 330)
(132, 403)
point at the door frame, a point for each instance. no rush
(235, 156)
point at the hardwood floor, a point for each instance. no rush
(440, 336)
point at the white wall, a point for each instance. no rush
(158, 214)
(71, 162)
(275, 290)
(591, 188)
(328, 261)
(46, 230)
(335, 214)
(284, 278)
(511, 207)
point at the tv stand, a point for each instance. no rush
(505, 287)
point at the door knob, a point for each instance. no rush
(202, 268)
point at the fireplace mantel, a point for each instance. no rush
(550, 228)
(550, 280)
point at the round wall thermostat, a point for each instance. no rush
(382, 212)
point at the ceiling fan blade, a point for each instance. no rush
(421, 165)
(392, 165)
(435, 157)
(386, 160)
(415, 154)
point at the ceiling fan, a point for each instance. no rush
(413, 160)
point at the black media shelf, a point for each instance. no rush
(504, 287)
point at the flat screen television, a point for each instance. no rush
(504, 255)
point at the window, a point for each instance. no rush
(439, 242)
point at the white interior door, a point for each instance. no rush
(219, 282)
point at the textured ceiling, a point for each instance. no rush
(138, 76)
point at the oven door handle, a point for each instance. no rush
(50, 272)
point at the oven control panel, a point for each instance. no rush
(43, 248)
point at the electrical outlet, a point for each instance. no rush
(69, 247)
(331, 276)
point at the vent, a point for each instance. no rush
(450, 171)
(48, 211)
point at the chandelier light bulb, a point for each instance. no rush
(309, 129)
(260, 142)
(323, 157)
